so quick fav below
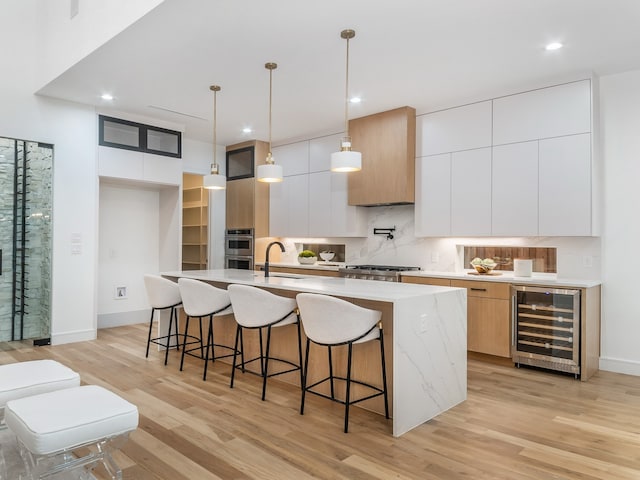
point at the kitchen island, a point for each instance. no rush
(425, 337)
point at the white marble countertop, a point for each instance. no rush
(345, 287)
(545, 279)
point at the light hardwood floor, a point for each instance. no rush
(516, 423)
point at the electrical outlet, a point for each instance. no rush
(587, 261)
(435, 257)
(120, 293)
(423, 323)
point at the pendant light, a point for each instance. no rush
(346, 160)
(270, 172)
(214, 181)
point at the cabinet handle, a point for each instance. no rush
(478, 289)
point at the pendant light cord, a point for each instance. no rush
(215, 109)
(271, 67)
(346, 95)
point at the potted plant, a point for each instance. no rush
(307, 257)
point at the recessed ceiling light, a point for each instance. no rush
(553, 46)
(247, 130)
(355, 99)
(106, 96)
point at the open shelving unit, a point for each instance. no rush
(195, 215)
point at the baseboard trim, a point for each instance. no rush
(72, 337)
(108, 320)
(619, 365)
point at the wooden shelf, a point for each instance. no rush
(195, 217)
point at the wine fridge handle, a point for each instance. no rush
(514, 303)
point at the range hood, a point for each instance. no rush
(387, 141)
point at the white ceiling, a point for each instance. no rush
(429, 54)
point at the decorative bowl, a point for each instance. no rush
(484, 268)
(307, 260)
(327, 256)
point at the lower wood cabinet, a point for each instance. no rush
(302, 271)
(488, 313)
(488, 317)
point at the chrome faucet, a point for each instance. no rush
(266, 261)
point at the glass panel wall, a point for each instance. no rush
(25, 240)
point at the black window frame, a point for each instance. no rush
(143, 130)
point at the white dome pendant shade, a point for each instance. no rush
(214, 181)
(346, 160)
(270, 172)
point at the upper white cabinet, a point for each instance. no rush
(544, 113)
(455, 129)
(139, 166)
(565, 186)
(320, 150)
(312, 204)
(294, 158)
(534, 180)
(471, 192)
(515, 189)
(433, 196)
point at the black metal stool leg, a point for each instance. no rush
(167, 345)
(150, 329)
(300, 352)
(304, 377)
(209, 342)
(266, 364)
(333, 395)
(184, 341)
(384, 375)
(174, 310)
(348, 397)
(235, 354)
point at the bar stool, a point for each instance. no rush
(200, 300)
(163, 294)
(255, 308)
(330, 322)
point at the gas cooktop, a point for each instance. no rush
(382, 268)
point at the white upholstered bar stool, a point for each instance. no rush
(330, 322)
(163, 294)
(201, 300)
(255, 308)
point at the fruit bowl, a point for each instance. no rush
(483, 266)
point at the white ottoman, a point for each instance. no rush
(22, 379)
(50, 425)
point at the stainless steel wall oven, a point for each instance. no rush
(239, 248)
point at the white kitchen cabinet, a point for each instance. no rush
(471, 192)
(162, 169)
(139, 166)
(279, 209)
(329, 211)
(461, 128)
(433, 196)
(515, 189)
(320, 150)
(544, 113)
(565, 186)
(293, 157)
(289, 207)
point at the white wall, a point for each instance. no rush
(63, 41)
(71, 129)
(620, 124)
(128, 248)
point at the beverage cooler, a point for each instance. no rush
(546, 328)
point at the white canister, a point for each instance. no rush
(522, 268)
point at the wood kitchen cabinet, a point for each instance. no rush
(247, 200)
(303, 271)
(488, 317)
(387, 141)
